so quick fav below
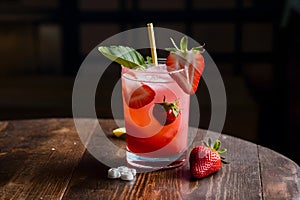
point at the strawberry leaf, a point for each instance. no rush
(126, 56)
(217, 145)
(222, 151)
(199, 48)
(175, 111)
(184, 44)
(171, 49)
(174, 44)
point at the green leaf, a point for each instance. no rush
(217, 145)
(126, 56)
(175, 111)
(222, 151)
(172, 49)
(184, 44)
(149, 60)
(174, 44)
(199, 49)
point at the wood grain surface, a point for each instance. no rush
(46, 159)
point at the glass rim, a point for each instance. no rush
(161, 61)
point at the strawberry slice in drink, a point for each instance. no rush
(185, 66)
(138, 102)
(141, 96)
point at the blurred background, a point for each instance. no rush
(255, 44)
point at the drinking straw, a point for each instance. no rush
(152, 43)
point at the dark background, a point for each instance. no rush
(255, 44)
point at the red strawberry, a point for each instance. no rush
(190, 62)
(140, 97)
(205, 160)
(166, 112)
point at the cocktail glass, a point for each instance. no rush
(151, 142)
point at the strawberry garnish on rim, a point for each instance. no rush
(185, 66)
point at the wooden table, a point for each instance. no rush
(45, 159)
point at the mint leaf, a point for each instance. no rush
(126, 56)
(149, 60)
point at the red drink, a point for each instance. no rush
(155, 137)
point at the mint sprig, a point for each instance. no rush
(126, 56)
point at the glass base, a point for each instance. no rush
(144, 164)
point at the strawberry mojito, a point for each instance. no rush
(156, 102)
(156, 114)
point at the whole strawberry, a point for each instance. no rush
(205, 160)
(166, 112)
